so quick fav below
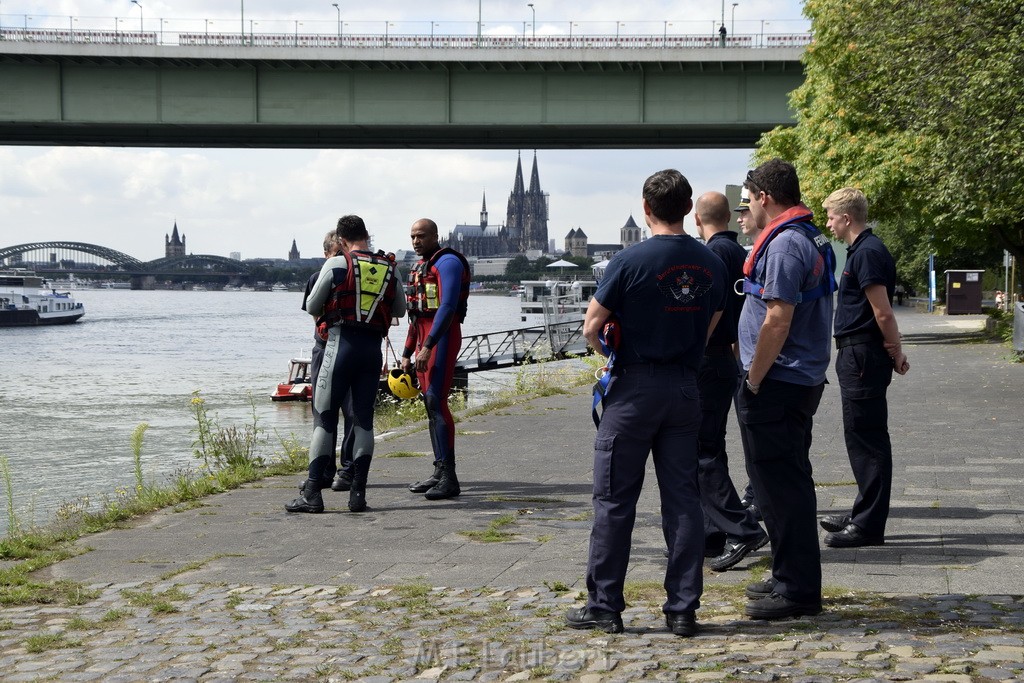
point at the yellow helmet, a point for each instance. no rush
(402, 385)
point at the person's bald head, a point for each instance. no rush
(712, 214)
(424, 237)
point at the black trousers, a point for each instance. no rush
(717, 381)
(865, 372)
(775, 427)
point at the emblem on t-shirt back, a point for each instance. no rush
(683, 284)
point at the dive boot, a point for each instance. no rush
(428, 483)
(342, 481)
(357, 497)
(447, 486)
(310, 501)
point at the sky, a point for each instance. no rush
(257, 201)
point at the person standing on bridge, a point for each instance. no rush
(666, 294)
(731, 531)
(868, 343)
(356, 295)
(437, 298)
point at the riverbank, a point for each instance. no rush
(236, 589)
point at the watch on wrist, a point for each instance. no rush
(753, 388)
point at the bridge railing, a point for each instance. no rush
(316, 40)
(39, 35)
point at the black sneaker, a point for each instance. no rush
(735, 551)
(833, 523)
(681, 623)
(589, 617)
(775, 606)
(761, 589)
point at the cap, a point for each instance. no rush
(744, 204)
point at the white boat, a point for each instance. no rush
(279, 287)
(24, 301)
(544, 302)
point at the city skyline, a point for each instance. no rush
(256, 201)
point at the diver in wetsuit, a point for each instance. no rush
(437, 295)
(356, 295)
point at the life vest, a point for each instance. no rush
(423, 293)
(365, 297)
(796, 218)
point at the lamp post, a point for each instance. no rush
(479, 21)
(732, 30)
(243, 18)
(139, 5)
(534, 10)
(763, 22)
(335, 5)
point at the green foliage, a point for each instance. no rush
(922, 108)
(12, 517)
(225, 447)
(136, 443)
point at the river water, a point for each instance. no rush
(71, 395)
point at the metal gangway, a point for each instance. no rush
(557, 339)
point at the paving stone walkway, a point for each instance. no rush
(237, 590)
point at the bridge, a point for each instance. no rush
(81, 258)
(278, 89)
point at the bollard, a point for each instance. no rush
(1018, 326)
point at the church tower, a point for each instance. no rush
(293, 255)
(174, 245)
(527, 218)
(630, 233)
(483, 214)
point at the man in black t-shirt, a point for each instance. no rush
(868, 343)
(731, 531)
(666, 293)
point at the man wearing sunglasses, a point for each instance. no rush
(785, 342)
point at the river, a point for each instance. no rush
(72, 394)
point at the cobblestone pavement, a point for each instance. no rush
(189, 632)
(237, 590)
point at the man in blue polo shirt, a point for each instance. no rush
(666, 293)
(868, 343)
(785, 340)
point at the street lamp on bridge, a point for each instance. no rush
(534, 10)
(335, 5)
(139, 5)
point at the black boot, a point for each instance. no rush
(357, 492)
(428, 483)
(357, 496)
(342, 482)
(309, 501)
(448, 485)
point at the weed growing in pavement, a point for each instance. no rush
(495, 531)
(41, 642)
(406, 454)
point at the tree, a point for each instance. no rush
(921, 105)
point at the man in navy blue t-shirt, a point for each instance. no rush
(666, 294)
(868, 343)
(731, 530)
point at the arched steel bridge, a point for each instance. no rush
(123, 262)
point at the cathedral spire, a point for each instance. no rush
(483, 212)
(517, 188)
(534, 176)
